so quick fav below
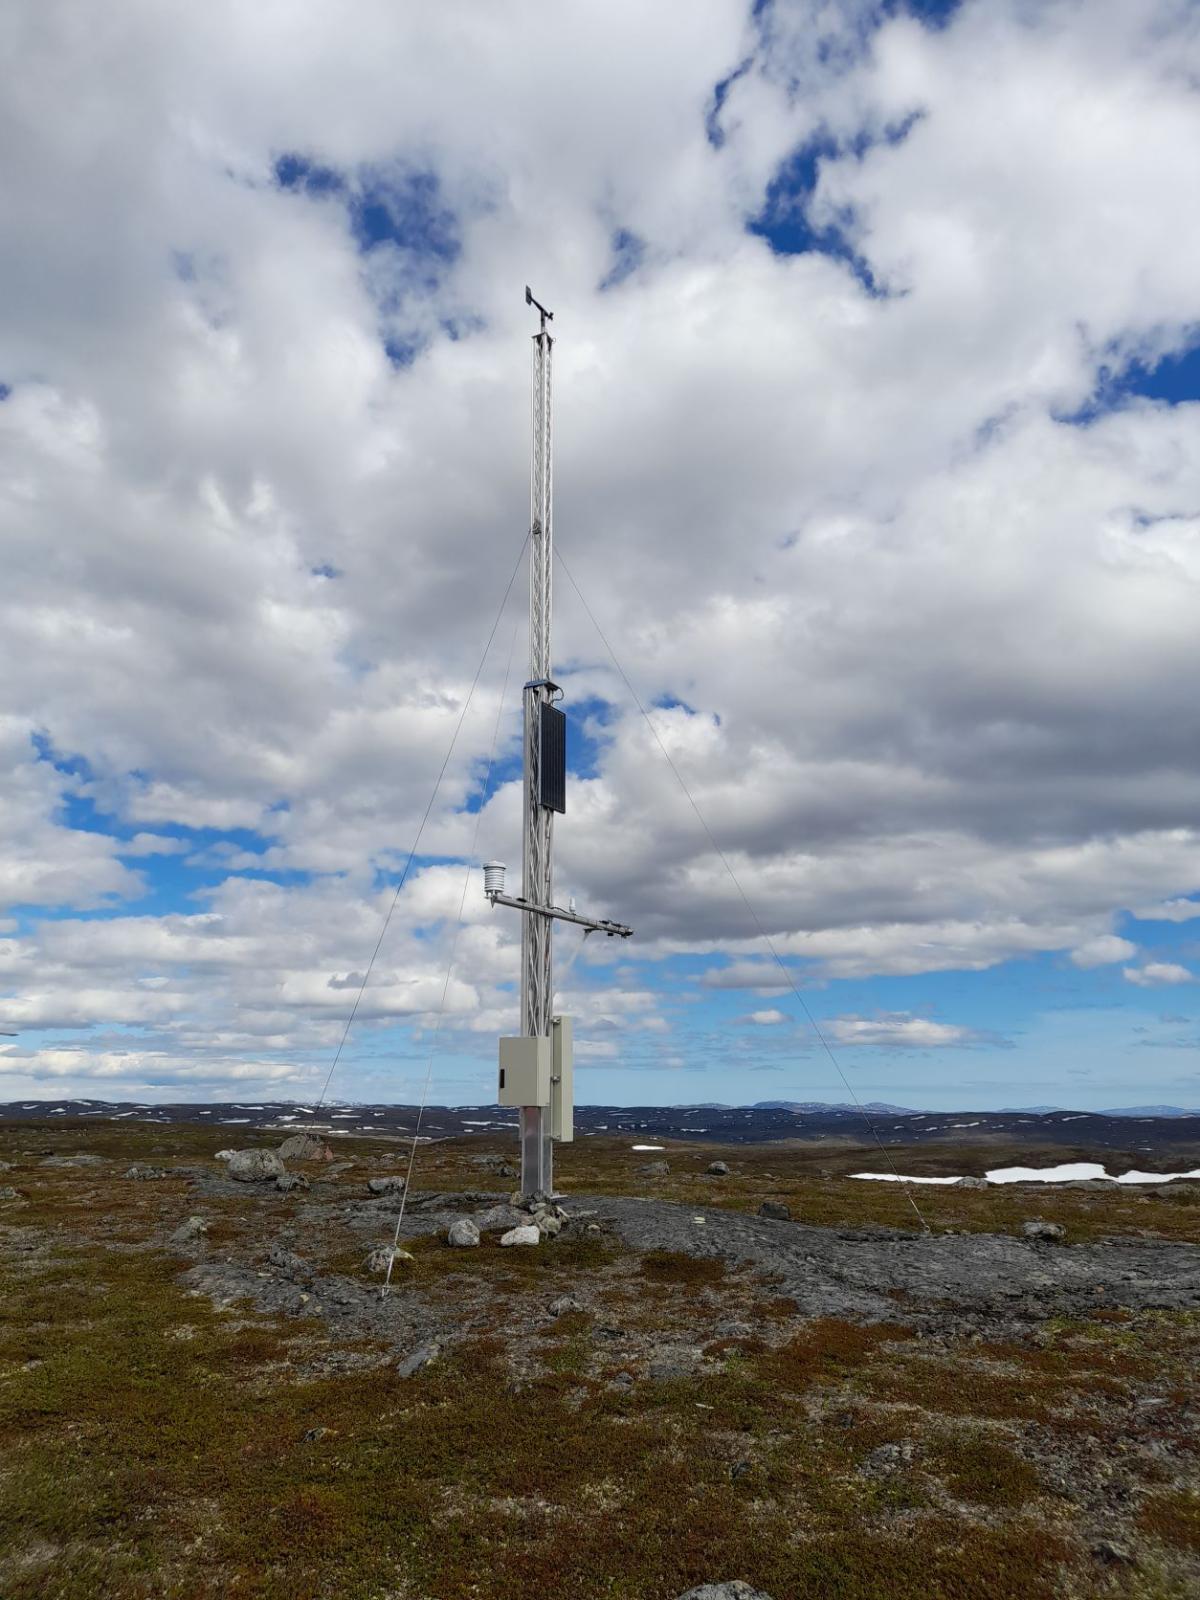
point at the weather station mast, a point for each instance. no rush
(536, 1072)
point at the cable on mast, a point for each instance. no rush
(362, 988)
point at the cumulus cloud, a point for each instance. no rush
(898, 1031)
(1180, 910)
(767, 1019)
(1158, 974)
(912, 611)
(1103, 951)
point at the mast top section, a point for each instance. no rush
(547, 316)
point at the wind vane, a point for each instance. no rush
(537, 1067)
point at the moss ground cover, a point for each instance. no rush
(153, 1445)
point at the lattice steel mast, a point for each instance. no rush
(537, 885)
(536, 1069)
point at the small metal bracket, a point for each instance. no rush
(556, 692)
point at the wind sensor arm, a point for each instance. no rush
(592, 924)
(547, 316)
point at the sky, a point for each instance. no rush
(877, 395)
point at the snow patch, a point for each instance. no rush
(1069, 1172)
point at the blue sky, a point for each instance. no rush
(877, 377)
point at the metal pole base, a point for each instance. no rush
(537, 1152)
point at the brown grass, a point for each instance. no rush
(152, 1446)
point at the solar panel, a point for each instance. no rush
(554, 758)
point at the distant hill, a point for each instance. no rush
(817, 1107)
(1031, 1111)
(1109, 1111)
(1148, 1111)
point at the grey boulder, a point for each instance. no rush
(378, 1186)
(1047, 1232)
(737, 1590)
(776, 1210)
(527, 1234)
(462, 1233)
(499, 1218)
(655, 1169)
(305, 1147)
(410, 1365)
(717, 1169)
(287, 1181)
(255, 1166)
(147, 1172)
(192, 1228)
(9, 1193)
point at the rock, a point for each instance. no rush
(499, 1218)
(500, 1165)
(1113, 1555)
(971, 1183)
(287, 1181)
(737, 1590)
(462, 1233)
(255, 1166)
(665, 1367)
(288, 1262)
(383, 1257)
(193, 1228)
(147, 1172)
(223, 1155)
(410, 1365)
(378, 1186)
(776, 1210)
(740, 1469)
(547, 1223)
(305, 1147)
(9, 1193)
(563, 1305)
(6, 1166)
(655, 1169)
(889, 1458)
(1048, 1232)
(72, 1161)
(526, 1234)
(717, 1169)
(311, 1435)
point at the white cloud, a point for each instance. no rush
(1102, 951)
(791, 503)
(1158, 974)
(898, 1031)
(767, 1019)
(1179, 910)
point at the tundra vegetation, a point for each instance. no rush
(595, 1421)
